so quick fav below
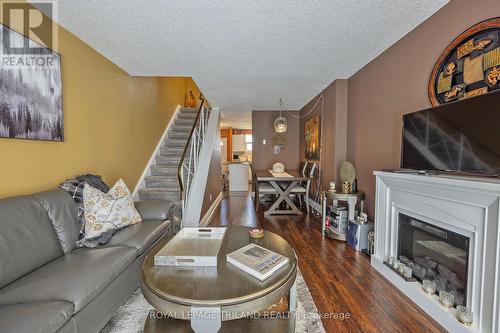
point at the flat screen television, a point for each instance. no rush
(461, 137)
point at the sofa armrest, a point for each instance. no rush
(156, 210)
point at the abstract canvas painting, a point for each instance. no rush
(311, 134)
(30, 94)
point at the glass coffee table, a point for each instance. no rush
(221, 298)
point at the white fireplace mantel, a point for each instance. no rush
(465, 205)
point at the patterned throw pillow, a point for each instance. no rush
(106, 213)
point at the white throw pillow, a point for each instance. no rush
(106, 213)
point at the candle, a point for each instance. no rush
(446, 299)
(464, 315)
(407, 272)
(429, 287)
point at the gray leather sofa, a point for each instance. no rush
(48, 285)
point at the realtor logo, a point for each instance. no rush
(35, 21)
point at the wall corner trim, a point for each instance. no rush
(207, 218)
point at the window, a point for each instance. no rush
(248, 141)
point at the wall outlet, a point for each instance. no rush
(264, 141)
(210, 197)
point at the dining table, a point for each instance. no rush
(283, 183)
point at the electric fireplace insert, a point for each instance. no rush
(435, 254)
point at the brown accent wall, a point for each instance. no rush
(395, 83)
(263, 128)
(213, 186)
(333, 129)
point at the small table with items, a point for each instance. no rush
(351, 199)
(206, 299)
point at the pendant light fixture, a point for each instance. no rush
(280, 123)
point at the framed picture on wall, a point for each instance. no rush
(312, 135)
(30, 90)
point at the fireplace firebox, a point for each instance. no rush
(434, 254)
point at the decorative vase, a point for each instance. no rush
(346, 187)
(190, 100)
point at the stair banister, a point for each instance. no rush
(194, 197)
(188, 163)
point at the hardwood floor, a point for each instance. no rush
(340, 279)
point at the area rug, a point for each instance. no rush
(131, 316)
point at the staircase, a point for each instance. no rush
(163, 181)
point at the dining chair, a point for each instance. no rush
(304, 168)
(300, 190)
(261, 188)
(303, 171)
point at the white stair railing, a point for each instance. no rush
(188, 164)
(193, 200)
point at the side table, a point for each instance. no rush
(351, 199)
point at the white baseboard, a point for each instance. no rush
(152, 160)
(211, 210)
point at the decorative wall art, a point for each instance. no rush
(469, 66)
(311, 135)
(30, 94)
(279, 143)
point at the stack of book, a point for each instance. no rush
(257, 261)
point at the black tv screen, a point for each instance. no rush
(462, 137)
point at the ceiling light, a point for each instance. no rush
(280, 123)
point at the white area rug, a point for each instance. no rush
(131, 316)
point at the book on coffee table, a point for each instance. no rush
(257, 261)
(192, 247)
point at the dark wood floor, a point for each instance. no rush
(340, 279)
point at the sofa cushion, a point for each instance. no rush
(77, 277)
(38, 317)
(27, 238)
(62, 212)
(106, 213)
(155, 210)
(141, 235)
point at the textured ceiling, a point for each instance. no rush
(244, 55)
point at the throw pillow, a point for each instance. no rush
(105, 213)
(74, 187)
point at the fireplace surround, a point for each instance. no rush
(449, 225)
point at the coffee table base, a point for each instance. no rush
(278, 325)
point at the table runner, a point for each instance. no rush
(280, 174)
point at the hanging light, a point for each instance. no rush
(280, 123)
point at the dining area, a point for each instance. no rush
(286, 190)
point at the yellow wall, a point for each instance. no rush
(112, 124)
